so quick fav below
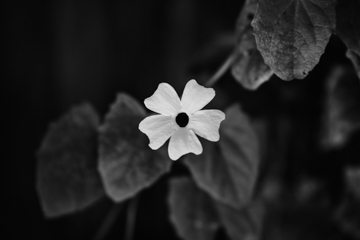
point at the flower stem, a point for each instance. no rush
(108, 222)
(130, 218)
(223, 68)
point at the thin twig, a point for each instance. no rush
(131, 218)
(223, 68)
(108, 222)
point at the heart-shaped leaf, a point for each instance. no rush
(67, 177)
(242, 224)
(292, 34)
(248, 68)
(191, 210)
(127, 164)
(348, 23)
(227, 169)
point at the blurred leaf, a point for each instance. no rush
(67, 177)
(288, 220)
(348, 216)
(243, 224)
(348, 23)
(247, 13)
(353, 181)
(292, 34)
(197, 216)
(227, 170)
(348, 29)
(355, 59)
(127, 164)
(191, 210)
(342, 115)
(248, 67)
(348, 213)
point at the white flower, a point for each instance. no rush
(181, 119)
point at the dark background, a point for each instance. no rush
(58, 54)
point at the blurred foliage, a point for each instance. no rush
(197, 216)
(191, 210)
(355, 59)
(348, 24)
(342, 101)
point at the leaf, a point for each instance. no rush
(127, 164)
(191, 210)
(197, 216)
(292, 34)
(348, 212)
(355, 59)
(248, 67)
(347, 215)
(243, 224)
(227, 170)
(342, 116)
(348, 23)
(348, 29)
(67, 177)
(353, 181)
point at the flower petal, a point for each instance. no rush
(158, 128)
(184, 141)
(164, 101)
(195, 97)
(206, 123)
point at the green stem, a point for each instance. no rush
(130, 218)
(223, 68)
(108, 222)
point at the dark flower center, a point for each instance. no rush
(182, 119)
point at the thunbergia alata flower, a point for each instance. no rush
(180, 120)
